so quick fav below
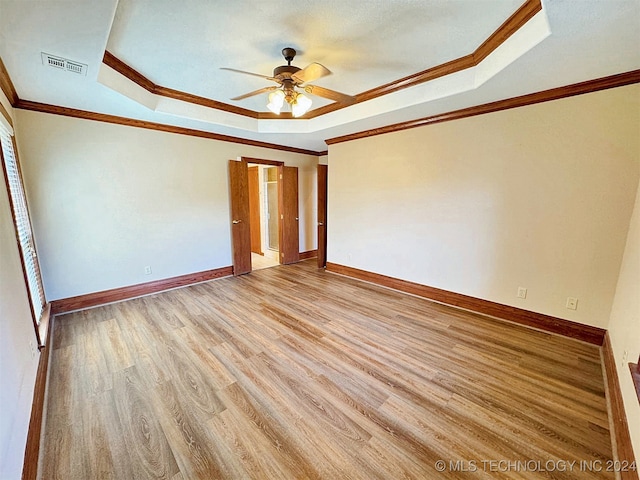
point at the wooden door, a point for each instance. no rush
(240, 226)
(322, 216)
(254, 210)
(288, 208)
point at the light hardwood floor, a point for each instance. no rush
(292, 372)
(268, 260)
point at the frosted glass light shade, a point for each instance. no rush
(276, 100)
(301, 105)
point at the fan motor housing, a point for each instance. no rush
(285, 71)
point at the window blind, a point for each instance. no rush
(22, 223)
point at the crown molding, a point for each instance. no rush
(525, 13)
(510, 26)
(7, 85)
(102, 117)
(136, 77)
(589, 86)
(519, 18)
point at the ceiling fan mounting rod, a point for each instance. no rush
(288, 53)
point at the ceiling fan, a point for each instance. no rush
(289, 78)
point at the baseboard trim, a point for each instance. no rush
(124, 293)
(547, 323)
(620, 437)
(308, 254)
(32, 448)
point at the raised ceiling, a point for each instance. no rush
(410, 36)
(365, 43)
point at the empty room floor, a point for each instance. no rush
(292, 372)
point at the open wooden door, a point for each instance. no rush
(288, 208)
(322, 216)
(240, 226)
(254, 210)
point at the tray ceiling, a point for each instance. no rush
(365, 43)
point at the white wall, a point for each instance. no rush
(107, 200)
(624, 325)
(537, 197)
(17, 367)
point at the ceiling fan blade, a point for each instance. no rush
(248, 73)
(330, 94)
(310, 73)
(256, 92)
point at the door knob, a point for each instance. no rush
(296, 219)
(320, 224)
(236, 221)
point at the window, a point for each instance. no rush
(24, 234)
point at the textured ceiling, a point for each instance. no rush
(366, 43)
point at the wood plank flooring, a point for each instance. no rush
(293, 373)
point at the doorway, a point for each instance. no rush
(263, 216)
(287, 217)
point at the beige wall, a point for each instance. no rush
(17, 366)
(624, 325)
(108, 200)
(537, 197)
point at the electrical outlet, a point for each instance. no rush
(522, 292)
(625, 356)
(147, 270)
(572, 303)
(32, 349)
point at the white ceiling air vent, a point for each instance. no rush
(64, 64)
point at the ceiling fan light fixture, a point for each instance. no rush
(289, 78)
(276, 101)
(301, 105)
(274, 108)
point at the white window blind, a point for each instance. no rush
(22, 223)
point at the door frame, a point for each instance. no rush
(273, 163)
(239, 190)
(255, 207)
